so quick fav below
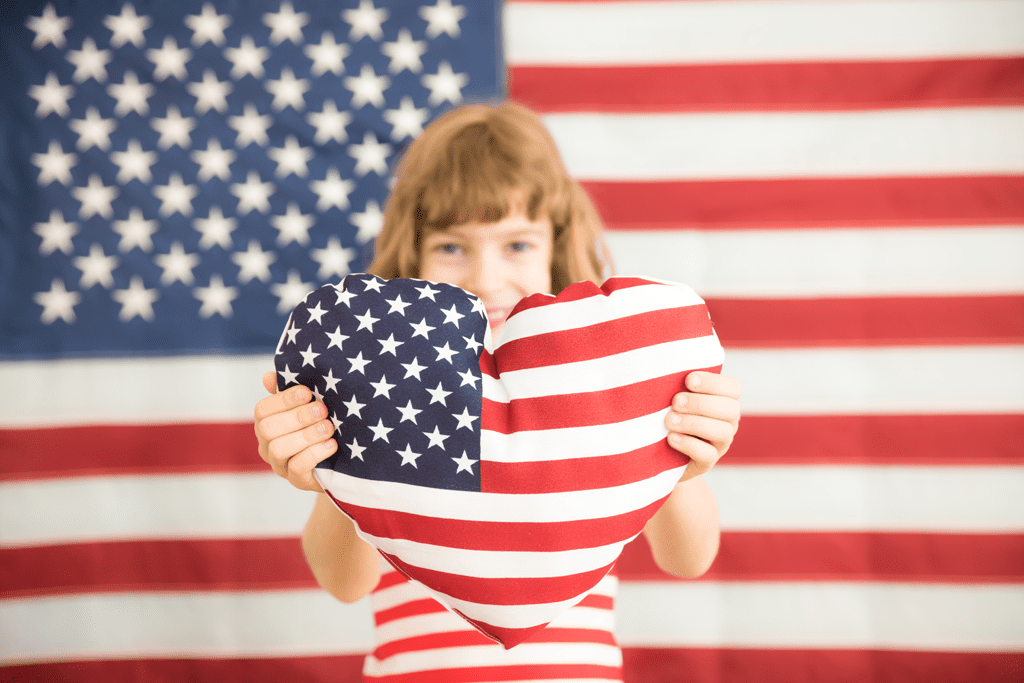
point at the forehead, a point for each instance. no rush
(516, 223)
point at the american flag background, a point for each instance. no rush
(841, 180)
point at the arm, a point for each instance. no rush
(294, 435)
(684, 533)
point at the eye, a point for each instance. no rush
(520, 246)
(448, 248)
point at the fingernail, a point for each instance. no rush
(694, 381)
(325, 427)
(674, 420)
(681, 401)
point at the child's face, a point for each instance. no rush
(499, 262)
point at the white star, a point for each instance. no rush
(213, 161)
(336, 337)
(344, 297)
(422, 329)
(208, 26)
(365, 20)
(366, 321)
(332, 190)
(210, 93)
(438, 395)
(247, 59)
(288, 376)
(373, 283)
(291, 292)
(380, 431)
(333, 259)
(358, 363)
(413, 369)
(136, 300)
(170, 60)
(133, 163)
(330, 123)
(452, 316)
(286, 24)
(216, 229)
(89, 62)
(57, 303)
(367, 87)
(372, 155)
(389, 345)
(327, 56)
(52, 97)
(251, 127)
(478, 307)
(56, 234)
(445, 85)
(288, 91)
(354, 407)
(175, 196)
(465, 463)
(55, 164)
(291, 331)
(445, 352)
(216, 298)
(405, 53)
(135, 231)
(468, 378)
(382, 388)
(177, 265)
(443, 18)
(49, 28)
(408, 413)
(397, 305)
(254, 263)
(93, 130)
(131, 95)
(291, 158)
(95, 198)
(408, 457)
(174, 129)
(316, 313)
(127, 27)
(253, 194)
(436, 438)
(427, 292)
(97, 268)
(369, 221)
(308, 356)
(407, 120)
(331, 382)
(293, 226)
(465, 419)
(355, 449)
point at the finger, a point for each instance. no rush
(289, 443)
(300, 467)
(715, 407)
(715, 432)
(270, 381)
(713, 383)
(280, 402)
(702, 455)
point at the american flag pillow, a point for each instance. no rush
(505, 479)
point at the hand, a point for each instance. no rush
(704, 420)
(293, 434)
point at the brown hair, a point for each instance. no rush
(471, 164)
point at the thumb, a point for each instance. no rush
(270, 381)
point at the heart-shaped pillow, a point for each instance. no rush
(505, 482)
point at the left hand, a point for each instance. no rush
(704, 420)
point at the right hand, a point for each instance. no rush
(294, 434)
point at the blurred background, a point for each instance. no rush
(842, 180)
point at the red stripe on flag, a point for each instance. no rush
(603, 339)
(809, 202)
(413, 608)
(501, 536)
(869, 321)
(960, 440)
(579, 291)
(551, 634)
(733, 665)
(799, 86)
(848, 556)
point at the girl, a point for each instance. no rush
(483, 201)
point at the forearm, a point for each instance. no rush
(343, 564)
(684, 533)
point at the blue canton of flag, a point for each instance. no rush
(177, 176)
(398, 365)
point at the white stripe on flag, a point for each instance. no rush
(886, 380)
(527, 654)
(890, 142)
(622, 33)
(868, 498)
(889, 616)
(820, 263)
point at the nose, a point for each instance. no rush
(484, 274)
